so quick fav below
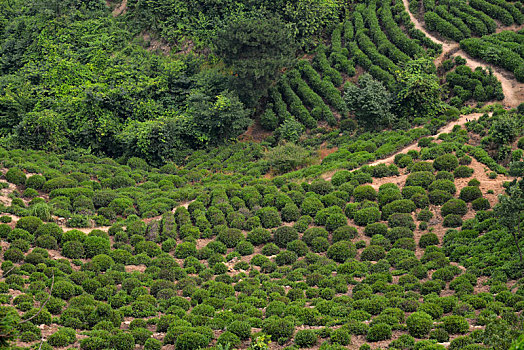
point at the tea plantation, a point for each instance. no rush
(262, 175)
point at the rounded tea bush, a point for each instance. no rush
(283, 235)
(428, 239)
(373, 253)
(367, 216)
(278, 328)
(452, 220)
(344, 233)
(480, 204)
(29, 223)
(306, 338)
(341, 251)
(269, 217)
(470, 193)
(259, 236)
(447, 162)
(378, 332)
(16, 176)
(364, 192)
(420, 178)
(230, 237)
(340, 336)
(454, 206)
(191, 340)
(419, 324)
(463, 171)
(455, 324)
(241, 329)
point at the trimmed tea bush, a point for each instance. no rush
(306, 338)
(378, 332)
(419, 324)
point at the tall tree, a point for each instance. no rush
(418, 90)
(509, 212)
(370, 101)
(255, 49)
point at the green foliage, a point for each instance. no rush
(370, 101)
(255, 49)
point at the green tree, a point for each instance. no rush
(220, 118)
(370, 102)
(418, 90)
(46, 130)
(255, 48)
(509, 212)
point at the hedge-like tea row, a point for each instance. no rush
(480, 85)
(396, 35)
(495, 54)
(436, 23)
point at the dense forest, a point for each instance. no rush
(261, 175)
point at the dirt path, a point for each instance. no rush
(120, 9)
(444, 130)
(513, 90)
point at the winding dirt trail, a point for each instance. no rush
(513, 90)
(444, 130)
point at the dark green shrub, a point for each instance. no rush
(377, 228)
(344, 233)
(122, 341)
(153, 344)
(443, 185)
(401, 220)
(447, 162)
(398, 206)
(228, 338)
(241, 329)
(29, 223)
(269, 217)
(319, 244)
(452, 220)
(463, 171)
(470, 193)
(290, 212)
(299, 247)
(191, 340)
(425, 215)
(481, 204)
(185, 249)
(378, 332)
(428, 239)
(420, 178)
(454, 206)
(15, 176)
(73, 250)
(313, 233)
(286, 257)
(306, 338)
(278, 328)
(455, 324)
(340, 336)
(321, 187)
(440, 335)
(258, 236)
(230, 237)
(341, 251)
(283, 235)
(419, 324)
(373, 253)
(311, 205)
(364, 192)
(439, 197)
(367, 216)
